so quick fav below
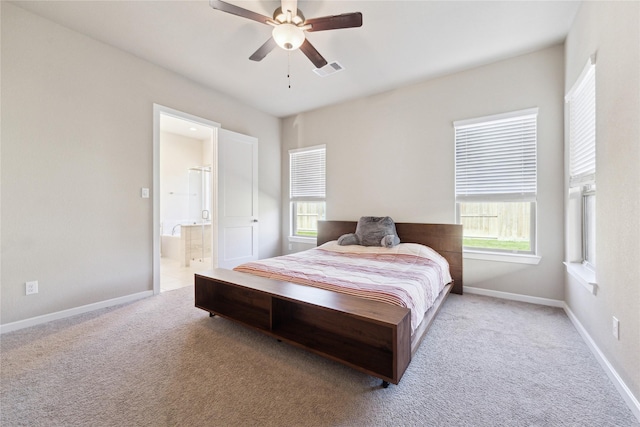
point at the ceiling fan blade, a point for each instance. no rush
(263, 50)
(236, 10)
(346, 20)
(313, 55)
(291, 5)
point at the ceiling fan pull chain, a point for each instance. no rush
(289, 68)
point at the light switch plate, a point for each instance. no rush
(144, 193)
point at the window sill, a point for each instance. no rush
(500, 257)
(585, 276)
(305, 240)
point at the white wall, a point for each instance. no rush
(77, 128)
(393, 154)
(612, 29)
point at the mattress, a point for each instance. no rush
(408, 275)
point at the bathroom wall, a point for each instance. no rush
(177, 154)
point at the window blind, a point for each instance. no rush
(582, 127)
(496, 157)
(307, 173)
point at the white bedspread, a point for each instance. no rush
(409, 275)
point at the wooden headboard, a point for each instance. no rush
(446, 239)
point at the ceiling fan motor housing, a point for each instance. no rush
(281, 17)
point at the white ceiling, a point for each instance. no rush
(400, 42)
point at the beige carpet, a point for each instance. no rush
(162, 362)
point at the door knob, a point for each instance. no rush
(255, 220)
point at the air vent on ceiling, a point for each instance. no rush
(328, 69)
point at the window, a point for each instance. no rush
(307, 183)
(496, 182)
(581, 109)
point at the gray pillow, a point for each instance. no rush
(377, 231)
(348, 239)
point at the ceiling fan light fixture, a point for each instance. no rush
(288, 36)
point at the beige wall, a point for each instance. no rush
(77, 128)
(611, 29)
(393, 154)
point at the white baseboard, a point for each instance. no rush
(622, 388)
(14, 326)
(514, 297)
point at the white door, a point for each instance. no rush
(237, 199)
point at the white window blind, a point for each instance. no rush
(308, 173)
(581, 100)
(496, 157)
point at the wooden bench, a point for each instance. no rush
(373, 337)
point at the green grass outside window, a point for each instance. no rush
(505, 245)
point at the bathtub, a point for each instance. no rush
(170, 246)
(186, 243)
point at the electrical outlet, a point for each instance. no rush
(616, 328)
(32, 287)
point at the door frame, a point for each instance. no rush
(159, 110)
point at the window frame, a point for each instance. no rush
(310, 188)
(588, 238)
(527, 180)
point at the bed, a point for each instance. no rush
(374, 337)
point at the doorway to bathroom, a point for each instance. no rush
(186, 196)
(205, 198)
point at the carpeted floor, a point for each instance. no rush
(162, 362)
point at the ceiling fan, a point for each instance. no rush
(289, 26)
